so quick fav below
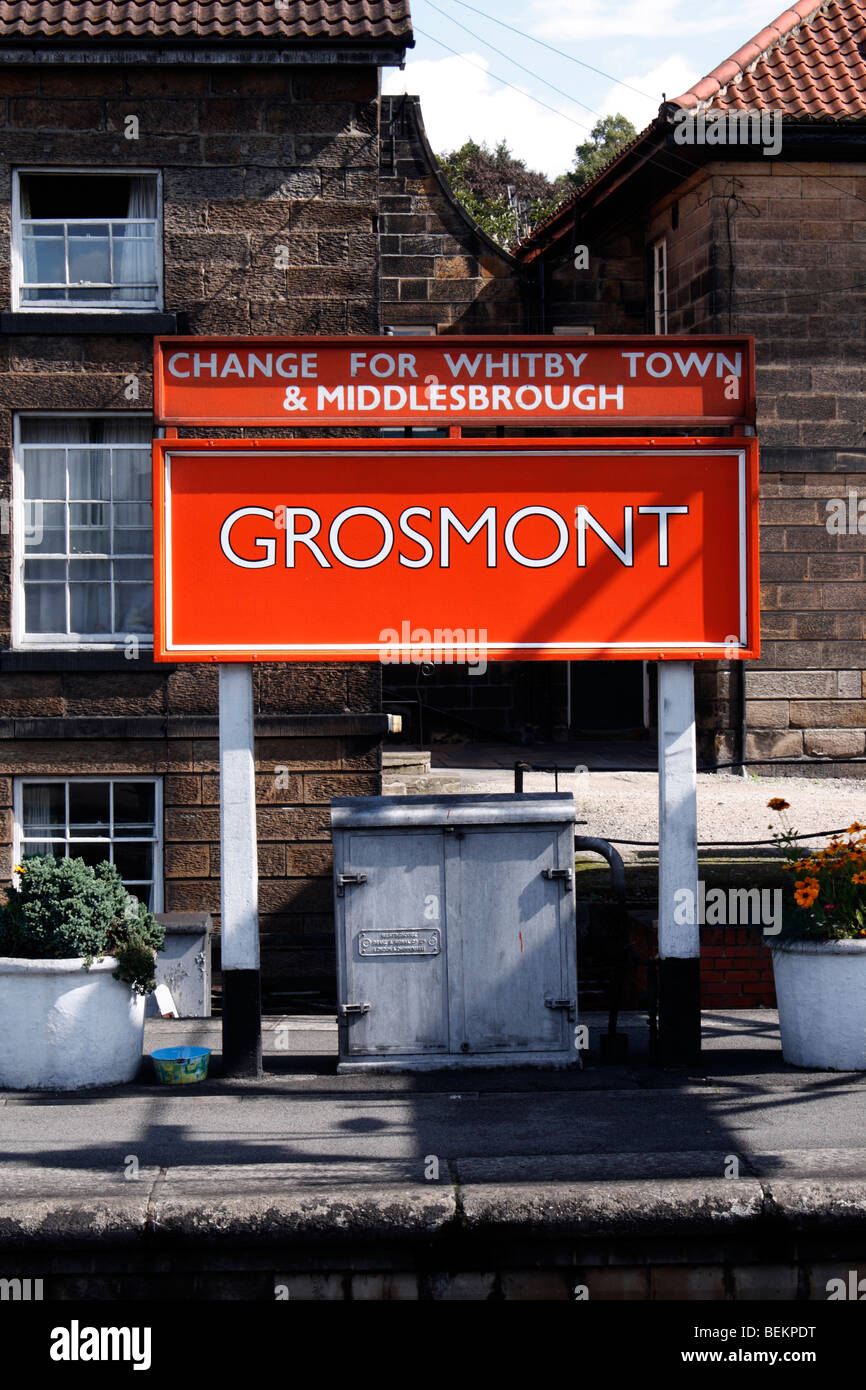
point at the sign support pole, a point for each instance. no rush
(239, 875)
(679, 943)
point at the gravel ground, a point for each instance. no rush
(624, 805)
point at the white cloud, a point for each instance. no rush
(670, 79)
(587, 19)
(460, 101)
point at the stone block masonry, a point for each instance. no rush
(438, 269)
(269, 207)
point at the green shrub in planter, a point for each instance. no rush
(64, 908)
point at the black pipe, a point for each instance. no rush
(614, 1046)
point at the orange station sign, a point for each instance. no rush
(384, 549)
(524, 382)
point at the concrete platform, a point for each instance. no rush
(731, 1170)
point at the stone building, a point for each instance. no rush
(761, 234)
(194, 168)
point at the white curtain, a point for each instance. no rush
(36, 818)
(134, 253)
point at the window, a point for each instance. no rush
(83, 558)
(81, 817)
(86, 241)
(660, 286)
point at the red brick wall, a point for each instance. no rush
(736, 969)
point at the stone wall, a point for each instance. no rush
(269, 179)
(770, 249)
(438, 268)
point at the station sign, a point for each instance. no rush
(399, 550)
(523, 382)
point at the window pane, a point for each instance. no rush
(133, 542)
(91, 854)
(90, 608)
(134, 860)
(44, 569)
(134, 607)
(134, 571)
(45, 607)
(43, 808)
(89, 261)
(131, 474)
(45, 474)
(88, 808)
(48, 541)
(89, 474)
(133, 808)
(44, 259)
(82, 570)
(88, 569)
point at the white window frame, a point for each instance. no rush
(25, 307)
(21, 640)
(157, 840)
(660, 285)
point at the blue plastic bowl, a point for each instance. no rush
(178, 1066)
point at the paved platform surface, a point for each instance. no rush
(637, 1134)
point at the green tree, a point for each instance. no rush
(607, 138)
(497, 189)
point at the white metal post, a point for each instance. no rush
(679, 939)
(239, 875)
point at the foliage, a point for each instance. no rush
(506, 198)
(480, 179)
(829, 891)
(607, 138)
(63, 909)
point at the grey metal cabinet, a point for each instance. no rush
(455, 931)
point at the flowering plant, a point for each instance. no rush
(829, 883)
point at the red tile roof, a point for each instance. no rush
(811, 61)
(209, 19)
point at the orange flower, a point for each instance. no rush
(853, 829)
(858, 878)
(806, 891)
(779, 804)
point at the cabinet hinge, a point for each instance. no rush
(353, 1010)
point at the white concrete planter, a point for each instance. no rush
(63, 1027)
(821, 993)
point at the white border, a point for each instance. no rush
(467, 649)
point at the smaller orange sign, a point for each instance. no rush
(526, 382)
(455, 550)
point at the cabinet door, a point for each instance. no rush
(513, 925)
(395, 943)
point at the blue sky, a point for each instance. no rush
(647, 48)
